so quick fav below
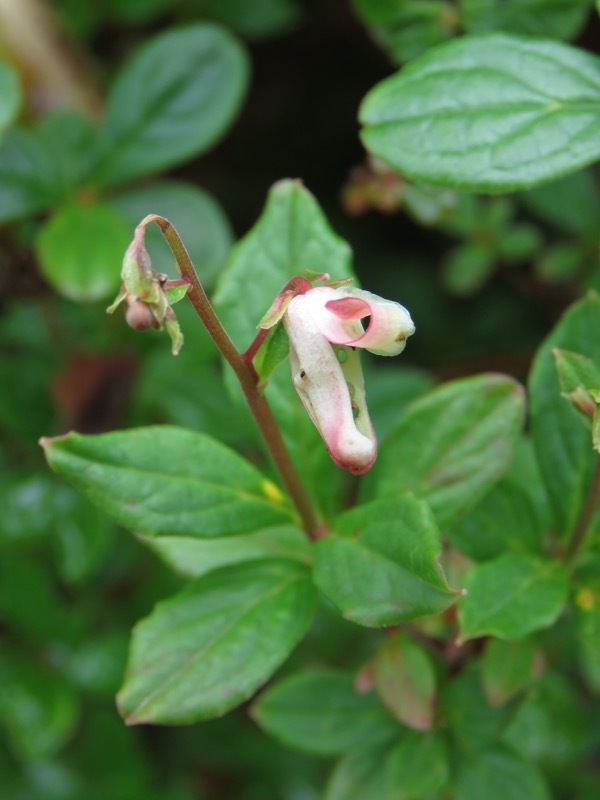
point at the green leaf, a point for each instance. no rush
(489, 113)
(417, 767)
(512, 596)
(556, 19)
(452, 445)
(29, 177)
(323, 713)
(572, 204)
(499, 774)
(587, 620)
(360, 775)
(167, 481)
(69, 138)
(506, 519)
(291, 236)
(562, 443)
(196, 557)
(196, 655)
(38, 710)
(257, 20)
(467, 267)
(408, 28)
(199, 219)
(405, 680)
(381, 564)
(474, 723)
(507, 668)
(10, 95)
(175, 99)
(80, 250)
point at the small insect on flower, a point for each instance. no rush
(324, 325)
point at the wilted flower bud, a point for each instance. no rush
(149, 294)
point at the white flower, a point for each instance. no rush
(324, 326)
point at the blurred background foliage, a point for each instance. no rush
(110, 111)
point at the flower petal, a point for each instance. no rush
(389, 326)
(332, 393)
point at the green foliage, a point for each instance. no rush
(436, 621)
(467, 114)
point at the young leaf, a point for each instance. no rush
(488, 113)
(167, 481)
(194, 80)
(452, 445)
(381, 565)
(186, 658)
(562, 443)
(507, 668)
(80, 250)
(405, 680)
(509, 774)
(512, 596)
(323, 713)
(195, 557)
(417, 767)
(199, 219)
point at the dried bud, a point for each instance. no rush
(139, 316)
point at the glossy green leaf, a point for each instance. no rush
(30, 178)
(80, 250)
(360, 775)
(488, 113)
(381, 564)
(167, 481)
(196, 557)
(556, 19)
(10, 95)
(322, 712)
(452, 445)
(199, 219)
(292, 235)
(499, 774)
(512, 596)
(417, 767)
(405, 680)
(562, 443)
(194, 80)
(210, 647)
(576, 371)
(507, 668)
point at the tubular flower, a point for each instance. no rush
(324, 326)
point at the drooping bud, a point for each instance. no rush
(149, 294)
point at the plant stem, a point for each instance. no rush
(245, 374)
(585, 518)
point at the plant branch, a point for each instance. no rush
(585, 517)
(245, 373)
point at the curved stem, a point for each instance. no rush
(245, 374)
(586, 516)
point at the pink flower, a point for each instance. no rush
(324, 326)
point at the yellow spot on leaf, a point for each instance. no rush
(272, 493)
(585, 599)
